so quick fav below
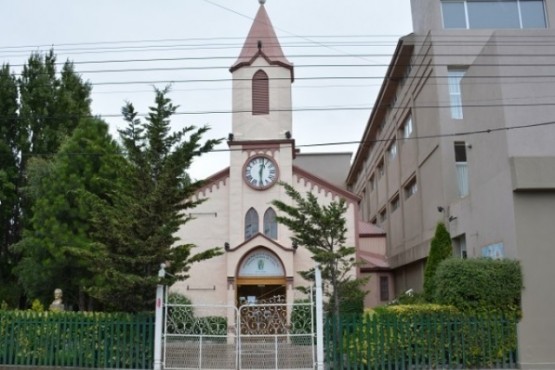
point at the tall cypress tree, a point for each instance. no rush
(440, 250)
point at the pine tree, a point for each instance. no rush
(322, 230)
(135, 227)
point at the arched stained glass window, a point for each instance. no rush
(251, 223)
(270, 223)
(260, 93)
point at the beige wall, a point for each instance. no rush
(534, 213)
(509, 83)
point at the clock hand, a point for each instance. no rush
(261, 171)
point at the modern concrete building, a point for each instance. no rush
(260, 262)
(463, 132)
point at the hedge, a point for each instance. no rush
(480, 285)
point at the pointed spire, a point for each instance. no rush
(261, 41)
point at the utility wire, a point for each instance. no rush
(355, 142)
(300, 109)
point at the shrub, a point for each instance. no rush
(427, 335)
(480, 285)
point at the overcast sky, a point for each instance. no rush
(340, 49)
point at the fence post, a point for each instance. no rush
(158, 321)
(319, 321)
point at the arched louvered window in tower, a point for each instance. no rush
(251, 223)
(260, 93)
(270, 223)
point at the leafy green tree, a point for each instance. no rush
(135, 225)
(440, 250)
(38, 111)
(322, 230)
(9, 139)
(87, 163)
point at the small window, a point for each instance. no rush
(381, 169)
(381, 127)
(270, 223)
(384, 288)
(461, 167)
(372, 183)
(460, 151)
(260, 93)
(392, 150)
(251, 223)
(407, 128)
(411, 188)
(454, 76)
(394, 204)
(383, 215)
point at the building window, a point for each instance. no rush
(394, 204)
(381, 127)
(251, 223)
(407, 128)
(383, 216)
(493, 14)
(384, 288)
(373, 220)
(260, 93)
(270, 223)
(454, 77)
(461, 166)
(380, 169)
(411, 188)
(459, 244)
(372, 183)
(392, 150)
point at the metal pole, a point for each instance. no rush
(319, 321)
(159, 315)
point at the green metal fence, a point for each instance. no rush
(76, 339)
(421, 342)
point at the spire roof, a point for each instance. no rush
(261, 41)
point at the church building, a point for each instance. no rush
(260, 262)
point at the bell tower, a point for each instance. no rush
(262, 78)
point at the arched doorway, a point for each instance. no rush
(261, 278)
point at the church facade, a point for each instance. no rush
(259, 261)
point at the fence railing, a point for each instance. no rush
(94, 340)
(420, 342)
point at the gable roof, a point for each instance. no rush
(262, 41)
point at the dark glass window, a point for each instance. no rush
(493, 14)
(251, 223)
(270, 223)
(460, 151)
(384, 288)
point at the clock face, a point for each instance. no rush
(260, 172)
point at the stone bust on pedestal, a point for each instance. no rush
(57, 304)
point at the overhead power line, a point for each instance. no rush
(481, 104)
(484, 131)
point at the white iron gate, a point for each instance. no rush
(270, 335)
